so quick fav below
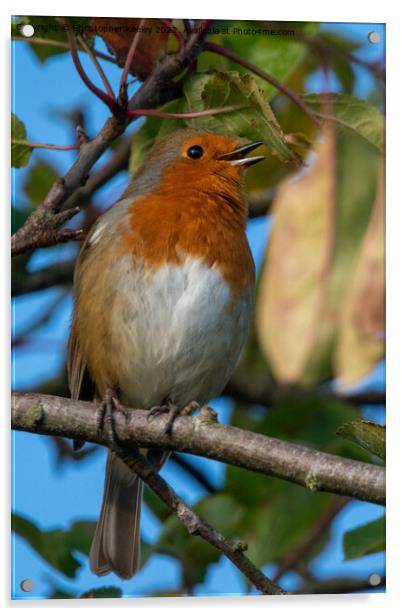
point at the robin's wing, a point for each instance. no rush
(81, 386)
(79, 381)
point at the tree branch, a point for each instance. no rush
(202, 436)
(193, 471)
(60, 274)
(233, 550)
(264, 393)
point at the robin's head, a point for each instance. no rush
(195, 157)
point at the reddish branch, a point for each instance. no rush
(103, 96)
(129, 59)
(176, 33)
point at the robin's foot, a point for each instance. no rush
(190, 408)
(109, 406)
(173, 411)
(167, 406)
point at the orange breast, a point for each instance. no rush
(199, 218)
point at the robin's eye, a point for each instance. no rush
(195, 152)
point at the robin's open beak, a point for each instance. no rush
(237, 156)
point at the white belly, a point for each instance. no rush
(179, 332)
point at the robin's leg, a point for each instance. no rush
(109, 406)
(173, 411)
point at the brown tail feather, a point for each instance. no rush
(116, 543)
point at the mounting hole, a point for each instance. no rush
(27, 585)
(374, 37)
(27, 30)
(374, 579)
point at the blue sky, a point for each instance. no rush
(74, 491)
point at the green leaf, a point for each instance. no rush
(364, 540)
(103, 592)
(345, 74)
(56, 546)
(272, 531)
(352, 114)
(367, 434)
(255, 121)
(52, 545)
(20, 154)
(39, 181)
(280, 515)
(80, 536)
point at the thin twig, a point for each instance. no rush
(59, 274)
(129, 59)
(291, 94)
(44, 317)
(64, 45)
(110, 102)
(262, 393)
(202, 436)
(233, 550)
(97, 65)
(45, 146)
(50, 237)
(193, 471)
(177, 34)
(191, 114)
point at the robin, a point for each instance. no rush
(163, 298)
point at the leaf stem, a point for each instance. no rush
(44, 146)
(129, 59)
(97, 65)
(177, 34)
(110, 102)
(63, 45)
(191, 114)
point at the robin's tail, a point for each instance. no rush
(116, 543)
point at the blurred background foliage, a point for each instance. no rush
(318, 332)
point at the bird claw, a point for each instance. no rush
(154, 411)
(173, 412)
(109, 406)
